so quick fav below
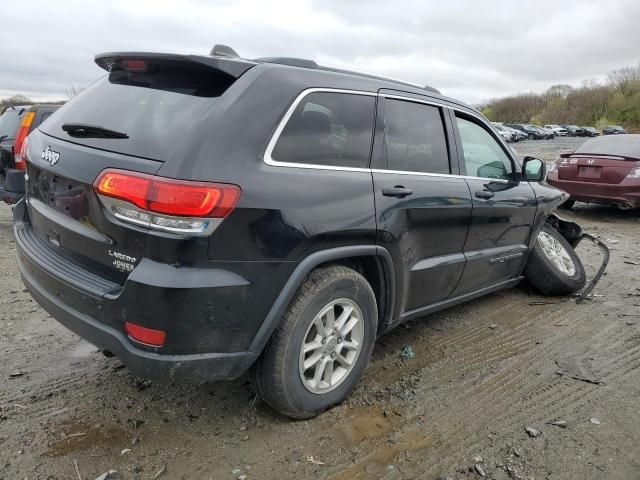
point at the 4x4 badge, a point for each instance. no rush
(50, 156)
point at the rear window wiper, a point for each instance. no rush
(91, 131)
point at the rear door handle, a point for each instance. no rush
(484, 194)
(397, 191)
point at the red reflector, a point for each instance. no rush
(148, 336)
(172, 197)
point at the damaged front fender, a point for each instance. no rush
(573, 233)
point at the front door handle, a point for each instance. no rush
(486, 194)
(398, 191)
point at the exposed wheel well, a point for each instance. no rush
(371, 268)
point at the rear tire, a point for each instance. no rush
(553, 268)
(283, 379)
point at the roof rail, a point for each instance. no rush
(226, 51)
(219, 50)
(291, 61)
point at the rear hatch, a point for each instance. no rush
(134, 119)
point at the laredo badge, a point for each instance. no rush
(122, 262)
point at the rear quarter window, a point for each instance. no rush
(329, 129)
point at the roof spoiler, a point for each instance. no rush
(232, 66)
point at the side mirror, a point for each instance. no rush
(533, 169)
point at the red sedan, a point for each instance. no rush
(601, 170)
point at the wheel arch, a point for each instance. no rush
(373, 262)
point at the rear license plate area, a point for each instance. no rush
(585, 171)
(62, 194)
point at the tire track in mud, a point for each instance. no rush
(488, 392)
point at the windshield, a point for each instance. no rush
(9, 123)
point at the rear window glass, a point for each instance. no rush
(9, 123)
(328, 128)
(154, 108)
(617, 145)
(414, 138)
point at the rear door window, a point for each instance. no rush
(155, 108)
(329, 129)
(483, 156)
(414, 138)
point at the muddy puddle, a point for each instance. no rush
(79, 436)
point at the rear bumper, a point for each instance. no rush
(205, 330)
(182, 368)
(626, 192)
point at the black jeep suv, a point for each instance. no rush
(200, 215)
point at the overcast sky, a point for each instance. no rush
(471, 50)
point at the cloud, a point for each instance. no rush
(470, 50)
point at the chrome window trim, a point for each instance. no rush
(446, 175)
(269, 160)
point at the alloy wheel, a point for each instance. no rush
(331, 346)
(557, 254)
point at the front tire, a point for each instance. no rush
(322, 345)
(553, 268)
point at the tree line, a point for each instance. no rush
(616, 101)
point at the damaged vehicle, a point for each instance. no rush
(279, 217)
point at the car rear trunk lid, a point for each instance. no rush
(594, 168)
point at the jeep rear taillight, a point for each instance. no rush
(22, 133)
(180, 206)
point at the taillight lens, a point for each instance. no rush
(21, 135)
(166, 204)
(554, 166)
(635, 173)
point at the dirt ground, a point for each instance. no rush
(483, 373)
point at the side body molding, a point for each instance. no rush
(302, 270)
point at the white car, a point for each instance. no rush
(558, 130)
(504, 132)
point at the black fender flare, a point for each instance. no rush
(305, 267)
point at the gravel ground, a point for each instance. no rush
(483, 373)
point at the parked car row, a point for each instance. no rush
(532, 132)
(16, 123)
(514, 132)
